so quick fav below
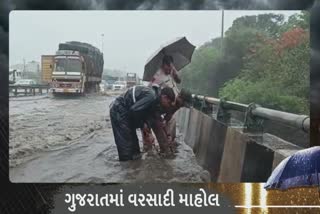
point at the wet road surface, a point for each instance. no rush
(70, 140)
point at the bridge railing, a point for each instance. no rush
(237, 142)
(45, 86)
(28, 89)
(254, 114)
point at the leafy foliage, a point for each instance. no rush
(264, 59)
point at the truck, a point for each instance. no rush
(47, 62)
(76, 68)
(132, 80)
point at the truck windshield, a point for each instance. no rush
(67, 64)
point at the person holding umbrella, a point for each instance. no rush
(167, 75)
(138, 107)
(161, 70)
(165, 128)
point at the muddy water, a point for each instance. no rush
(71, 140)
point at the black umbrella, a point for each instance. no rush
(180, 49)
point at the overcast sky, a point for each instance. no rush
(130, 37)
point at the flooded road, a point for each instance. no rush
(70, 140)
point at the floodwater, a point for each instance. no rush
(70, 139)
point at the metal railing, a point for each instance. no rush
(254, 111)
(28, 89)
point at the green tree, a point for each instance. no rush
(263, 59)
(276, 75)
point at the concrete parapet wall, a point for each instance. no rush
(281, 148)
(231, 165)
(182, 118)
(209, 148)
(193, 126)
(229, 154)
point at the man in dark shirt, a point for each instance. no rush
(137, 107)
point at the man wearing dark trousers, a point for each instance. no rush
(136, 108)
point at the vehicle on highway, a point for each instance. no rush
(76, 68)
(119, 85)
(132, 80)
(103, 85)
(25, 82)
(109, 84)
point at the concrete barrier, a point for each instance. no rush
(231, 165)
(185, 122)
(257, 164)
(229, 154)
(210, 147)
(251, 159)
(193, 128)
(281, 148)
(245, 159)
(180, 116)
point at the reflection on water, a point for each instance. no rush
(255, 199)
